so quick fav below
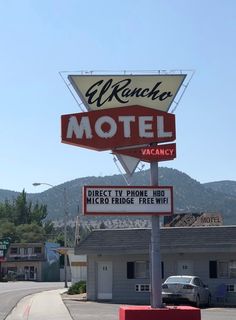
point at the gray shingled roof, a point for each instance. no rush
(138, 240)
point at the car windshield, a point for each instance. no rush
(178, 279)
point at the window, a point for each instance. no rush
(174, 279)
(138, 270)
(197, 282)
(37, 250)
(141, 269)
(222, 269)
(232, 269)
(13, 250)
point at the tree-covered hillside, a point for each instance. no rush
(227, 187)
(189, 195)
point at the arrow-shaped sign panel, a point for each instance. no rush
(112, 128)
(162, 152)
(128, 163)
(111, 91)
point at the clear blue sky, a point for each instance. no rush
(41, 38)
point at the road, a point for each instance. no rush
(87, 310)
(12, 292)
(218, 314)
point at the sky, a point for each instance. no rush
(40, 39)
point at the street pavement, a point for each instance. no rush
(46, 305)
(89, 310)
(57, 305)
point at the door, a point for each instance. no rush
(185, 267)
(104, 280)
(29, 272)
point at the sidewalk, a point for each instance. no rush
(46, 305)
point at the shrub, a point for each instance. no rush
(78, 287)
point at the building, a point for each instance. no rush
(193, 220)
(78, 267)
(118, 260)
(31, 261)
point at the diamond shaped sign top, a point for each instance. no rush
(111, 91)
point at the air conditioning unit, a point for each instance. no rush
(142, 288)
(231, 287)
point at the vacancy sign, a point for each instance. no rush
(112, 128)
(114, 200)
(99, 92)
(161, 152)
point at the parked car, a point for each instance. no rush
(188, 289)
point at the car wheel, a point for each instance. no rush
(197, 301)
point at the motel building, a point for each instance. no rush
(118, 261)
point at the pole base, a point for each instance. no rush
(167, 313)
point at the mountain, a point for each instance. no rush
(7, 194)
(227, 187)
(190, 196)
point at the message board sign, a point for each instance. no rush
(156, 91)
(116, 200)
(111, 128)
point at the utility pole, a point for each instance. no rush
(36, 184)
(65, 237)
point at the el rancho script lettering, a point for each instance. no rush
(103, 91)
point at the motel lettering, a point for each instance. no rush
(107, 127)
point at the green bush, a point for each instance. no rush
(78, 287)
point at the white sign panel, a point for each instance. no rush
(110, 91)
(113, 200)
(129, 164)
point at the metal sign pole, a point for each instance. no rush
(156, 298)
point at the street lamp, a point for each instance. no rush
(36, 184)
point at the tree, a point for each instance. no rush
(38, 214)
(24, 222)
(8, 229)
(49, 229)
(7, 211)
(22, 209)
(30, 233)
